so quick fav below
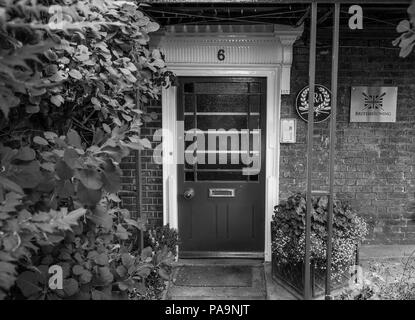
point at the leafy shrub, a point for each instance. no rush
(73, 75)
(383, 281)
(154, 288)
(161, 236)
(288, 233)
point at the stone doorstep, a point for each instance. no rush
(255, 292)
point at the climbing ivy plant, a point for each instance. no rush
(73, 77)
(406, 41)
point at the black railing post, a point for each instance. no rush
(138, 177)
(310, 131)
(334, 79)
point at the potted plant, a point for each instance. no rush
(288, 241)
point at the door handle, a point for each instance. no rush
(189, 193)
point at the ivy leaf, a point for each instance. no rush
(32, 109)
(405, 51)
(96, 102)
(101, 259)
(146, 253)
(29, 283)
(403, 26)
(57, 100)
(111, 177)
(48, 166)
(122, 233)
(70, 156)
(90, 178)
(146, 143)
(101, 217)
(10, 185)
(121, 271)
(25, 154)
(75, 74)
(63, 171)
(6, 267)
(72, 217)
(65, 189)
(144, 271)
(51, 55)
(85, 277)
(92, 254)
(59, 76)
(77, 269)
(40, 140)
(152, 26)
(141, 143)
(127, 260)
(164, 274)
(115, 153)
(105, 275)
(106, 128)
(74, 139)
(70, 286)
(7, 275)
(134, 223)
(27, 176)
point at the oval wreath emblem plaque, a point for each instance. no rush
(322, 103)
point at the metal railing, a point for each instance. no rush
(332, 139)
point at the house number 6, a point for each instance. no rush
(221, 55)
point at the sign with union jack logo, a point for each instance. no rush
(373, 104)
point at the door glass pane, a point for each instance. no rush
(255, 87)
(222, 176)
(206, 122)
(222, 103)
(189, 122)
(228, 116)
(254, 103)
(189, 87)
(254, 122)
(189, 105)
(221, 87)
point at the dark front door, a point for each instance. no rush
(221, 187)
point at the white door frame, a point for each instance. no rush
(273, 75)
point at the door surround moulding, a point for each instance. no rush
(253, 52)
(242, 44)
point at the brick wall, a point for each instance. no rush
(151, 174)
(375, 162)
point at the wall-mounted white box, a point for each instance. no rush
(288, 130)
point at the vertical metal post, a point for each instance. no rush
(334, 78)
(310, 127)
(138, 177)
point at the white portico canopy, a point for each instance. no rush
(262, 45)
